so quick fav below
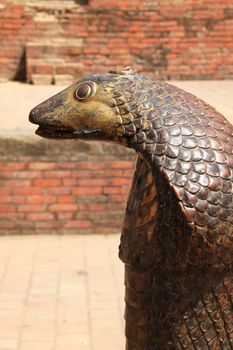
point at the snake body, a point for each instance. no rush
(177, 239)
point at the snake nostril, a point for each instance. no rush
(32, 116)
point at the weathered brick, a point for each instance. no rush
(121, 165)
(7, 208)
(31, 208)
(15, 183)
(66, 199)
(62, 207)
(47, 182)
(78, 224)
(93, 182)
(41, 165)
(65, 216)
(40, 216)
(120, 182)
(58, 173)
(111, 190)
(70, 182)
(47, 225)
(59, 190)
(27, 191)
(6, 225)
(41, 199)
(87, 191)
(77, 192)
(6, 166)
(12, 199)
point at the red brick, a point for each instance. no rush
(65, 215)
(7, 225)
(42, 166)
(114, 173)
(111, 190)
(66, 199)
(25, 225)
(70, 182)
(121, 165)
(41, 199)
(66, 165)
(63, 207)
(11, 216)
(5, 191)
(87, 190)
(93, 182)
(58, 173)
(91, 165)
(15, 183)
(120, 182)
(40, 216)
(31, 208)
(27, 174)
(128, 173)
(84, 173)
(7, 208)
(78, 224)
(12, 166)
(97, 207)
(117, 198)
(47, 224)
(12, 199)
(47, 182)
(125, 189)
(28, 191)
(59, 190)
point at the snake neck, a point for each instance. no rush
(186, 310)
(171, 304)
(155, 233)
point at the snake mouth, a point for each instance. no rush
(51, 132)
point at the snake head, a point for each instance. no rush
(85, 110)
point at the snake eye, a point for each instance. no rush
(84, 91)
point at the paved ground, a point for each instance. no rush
(16, 100)
(61, 293)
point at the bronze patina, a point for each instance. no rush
(177, 239)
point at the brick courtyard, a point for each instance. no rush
(61, 293)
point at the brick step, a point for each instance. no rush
(53, 62)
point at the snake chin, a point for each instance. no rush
(51, 132)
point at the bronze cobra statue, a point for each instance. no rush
(177, 239)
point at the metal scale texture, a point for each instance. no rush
(177, 238)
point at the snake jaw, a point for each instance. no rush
(51, 132)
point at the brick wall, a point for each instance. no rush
(178, 39)
(56, 187)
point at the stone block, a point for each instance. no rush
(63, 79)
(42, 79)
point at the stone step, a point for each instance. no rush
(53, 61)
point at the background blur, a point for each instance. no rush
(65, 292)
(55, 40)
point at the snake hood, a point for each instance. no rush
(182, 137)
(177, 238)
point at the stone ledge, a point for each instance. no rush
(25, 147)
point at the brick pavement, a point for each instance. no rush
(61, 293)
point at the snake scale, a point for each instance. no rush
(177, 239)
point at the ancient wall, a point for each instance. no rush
(63, 187)
(56, 41)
